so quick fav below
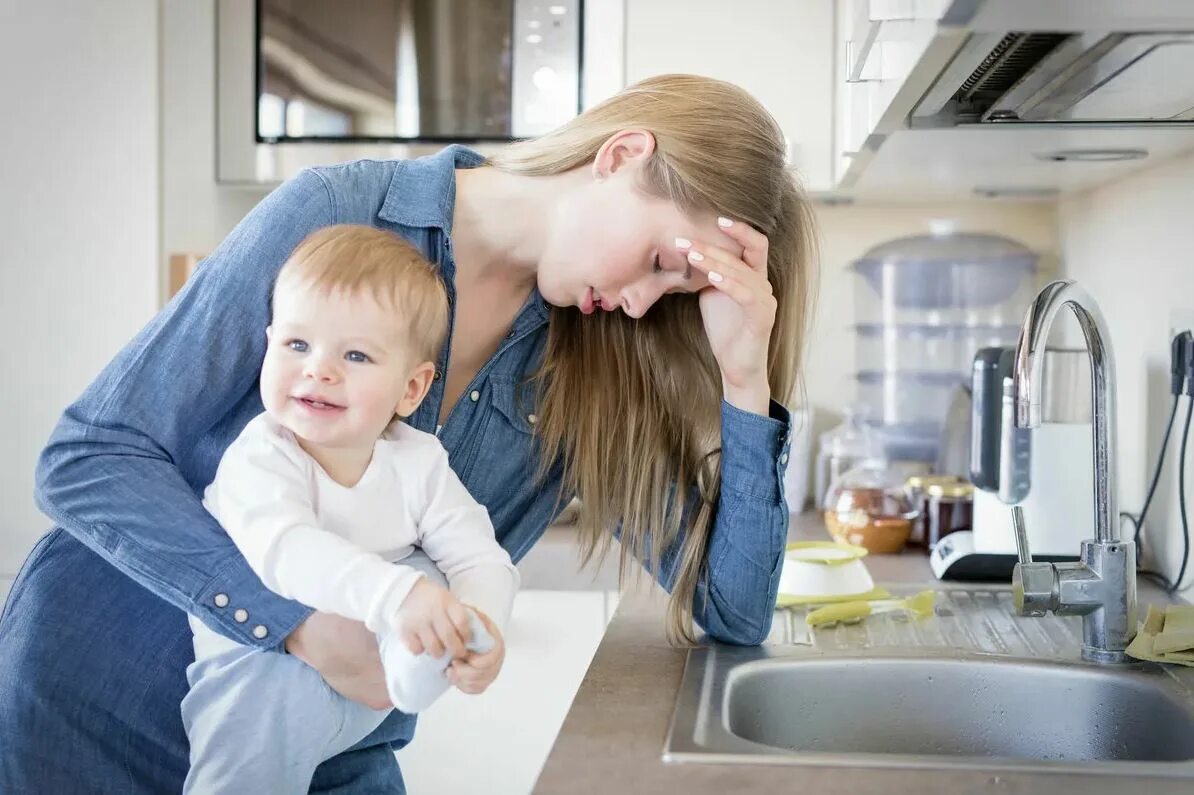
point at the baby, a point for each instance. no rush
(339, 505)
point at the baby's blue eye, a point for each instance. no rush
(297, 345)
(357, 356)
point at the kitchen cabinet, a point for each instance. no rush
(878, 44)
(782, 53)
(497, 742)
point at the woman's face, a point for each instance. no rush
(612, 247)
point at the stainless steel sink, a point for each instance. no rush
(972, 687)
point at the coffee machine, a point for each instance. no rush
(1054, 461)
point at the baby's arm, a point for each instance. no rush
(261, 498)
(457, 535)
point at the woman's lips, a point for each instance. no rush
(590, 303)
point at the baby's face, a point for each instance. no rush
(336, 366)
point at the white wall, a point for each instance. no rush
(78, 218)
(1131, 244)
(196, 212)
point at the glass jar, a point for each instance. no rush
(917, 489)
(868, 507)
(949, 507)
(841, 449)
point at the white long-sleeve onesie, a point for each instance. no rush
(339, 549)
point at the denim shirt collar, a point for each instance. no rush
(422, 192)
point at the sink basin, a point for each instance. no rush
(972, 687)
(985, 708)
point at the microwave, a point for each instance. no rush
(415, 70)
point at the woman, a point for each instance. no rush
(665, 216)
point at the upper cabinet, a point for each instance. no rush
(781, 52)
(953, 99)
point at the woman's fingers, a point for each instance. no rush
(754, 242)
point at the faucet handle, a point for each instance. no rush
(1021, 534)
(1034, 585)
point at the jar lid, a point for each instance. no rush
(961, 490)
(925, 481)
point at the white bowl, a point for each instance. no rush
(824, 569)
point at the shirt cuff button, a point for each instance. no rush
(221, 600)
(241, 615)
(260, 631)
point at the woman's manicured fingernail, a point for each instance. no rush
(724, 222)
(714, 276)
(683, 242)
(696, 256)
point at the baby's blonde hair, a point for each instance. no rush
(353, 259)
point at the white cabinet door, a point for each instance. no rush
(497, 742)
(781, 52)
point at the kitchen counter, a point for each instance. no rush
(613, 736)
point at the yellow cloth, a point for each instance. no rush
(1167, 636)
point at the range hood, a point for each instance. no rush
(1137, 78)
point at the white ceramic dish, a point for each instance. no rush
(818, 569)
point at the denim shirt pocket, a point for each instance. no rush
(515, 403)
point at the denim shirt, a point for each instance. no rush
(125, 468)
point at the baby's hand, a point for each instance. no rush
(432, 620)
(476, 673)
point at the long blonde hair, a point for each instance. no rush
(631, 408)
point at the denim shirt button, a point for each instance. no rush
(532, 419)
(438, 375)
(241, 615)
(474, 396)
(783, 459)
(260, 631)
(221, 600)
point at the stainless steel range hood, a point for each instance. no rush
(1136, 78)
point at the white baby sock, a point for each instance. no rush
(414, 682)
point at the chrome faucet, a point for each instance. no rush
(1101, 586)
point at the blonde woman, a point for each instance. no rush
(628, 295)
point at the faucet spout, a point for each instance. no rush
(1028, 384)
(1102, 586)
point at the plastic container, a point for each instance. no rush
(945, 279)
(924, 306)
(843, 448)
(869, 507)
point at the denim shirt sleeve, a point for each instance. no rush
(735, 602)
(108, 474)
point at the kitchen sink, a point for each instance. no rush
(974, 686)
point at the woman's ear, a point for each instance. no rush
(621, 149)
